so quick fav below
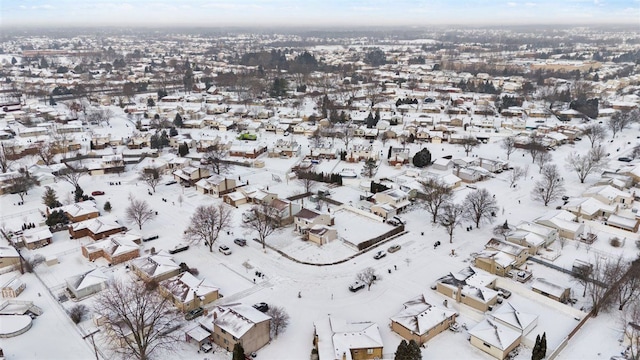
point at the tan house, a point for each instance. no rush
(609, 195)
(421, 321)
(80, 211)
(156, 267)
(98, 228)
(518, 253)
(216, 185)
(321, 234)
(37, 237)
(470, 287)
(361, 152)
(565, 222)
(116, 249)
(190, 174)
(589, 208)
(494, 338)
(306, 219)
(187, 292)
(395, 199)
(239, 323)
(247, 149)
(337, 339)
(8, 256)
(510, 316)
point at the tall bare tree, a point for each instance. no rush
(279, 320)
(509, 145)
(21, 183)
(150, 177)
(583, 165)
(139, 212)
(630, 321)
(550, 187)
(543, 159)
(480, 206)
(304, 179)
(627, 290)
(71, 175)
(606, 273)
(450, 217)
(619, 121)
(515, 174)
(535, 148)
(46, 151)
(140, 323)
(595, 133)
(367, 276)
(436, 193)
(468, 143)
(214, 158)
(265, 221)
(5, 158)
(207, 222)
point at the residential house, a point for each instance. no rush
(321, 234)
(187, 292)
(361, 152)
(420, 321)
(337, 339)
(77, 212)
(520, 254)
(190, 174)
(494, 338)
(109, 164)
(390, 202)
(510, 316)
(87, 284)
(240, 323)
(115, 249)
(306, 219)
(548, 234)
(609, 195)
(283, 211)
(156, 267)
(216, 185)
(622, 222)
(247, 149)
(285, 148)
(589, 208)
(36, 237)
(470, 287)
(9, 256)
(97, 228)
(442, 164)
(533, 242)
(323, 151)
(565, 222)
(13, 288)
(551, 290)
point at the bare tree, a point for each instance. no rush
(509, 145)
(21, 183)
(450, 217)
(373, 93)
(606, 273)
(550, 187)
(207, 222)
(305, 181)
(140, 322)
(150, 177)
(628, 288)
(618, 122)
(595, 133)
(543, 159)
(367, 276)
(139, 212)
(71, 175)
(46, 152)
(535, 148)
(479, 205)
(583, 165)
(346, 135)
(5, 158)
(630, 321)
(514, 175)
(279, 320)
(369, 167)
(214, 158)
(503, 230)
(436, 193)
(582, 275)
(468, 143)
(100, 115)
(265, 221)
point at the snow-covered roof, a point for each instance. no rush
(548, 287)
(97, 225)
(511, 316)
(419, 316)
(336, 337)
(86, 280)
(36, 234)
(495, 334)
(186, 286)
(237, 319)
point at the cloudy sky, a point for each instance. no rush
(316, 12)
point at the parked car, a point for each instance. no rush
(400, 220)
(171, 182)
(240, 242)
(356, 286)
(504, 293)
(393, 221)
(179, 248)
(96, 193)
(393, 248)
(380, 254)
(263, 307)
(224, 249)
(194, 313)
(625, 159)
(206, 347)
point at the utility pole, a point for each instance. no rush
(95, 350)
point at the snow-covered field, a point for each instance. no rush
(324, 289)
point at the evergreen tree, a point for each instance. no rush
(183, 149)
(107, 206)
(422, 158)
(413, 351)
(178, 120)
(402, 351)
(536, 353)
(13, 61)
(52, 102)
(79, 194)
(50, 199)
(238, 352)
(543, 345)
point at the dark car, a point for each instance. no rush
(264, 307)
(194, 313)
(240, 242)
(625, 159)
(356, 286)
(96, 193)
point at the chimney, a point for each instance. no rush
(215, 315)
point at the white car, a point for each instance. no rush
(224, 249)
